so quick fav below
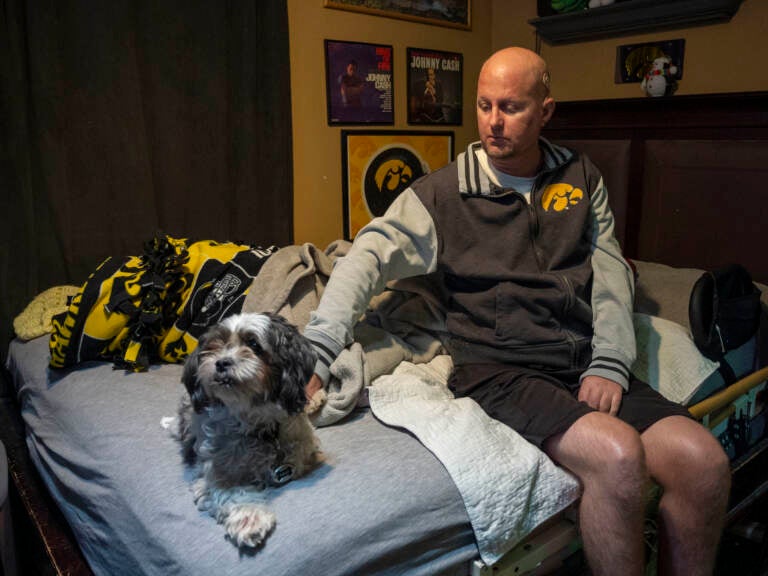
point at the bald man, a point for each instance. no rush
(539, 317)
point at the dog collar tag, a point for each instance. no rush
(282, 474)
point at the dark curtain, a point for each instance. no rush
(122, 120)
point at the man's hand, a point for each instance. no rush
(601, 394)
(314, 385)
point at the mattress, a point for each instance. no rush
(381, 504)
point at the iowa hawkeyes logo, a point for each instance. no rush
(561, 196)
(388, 174)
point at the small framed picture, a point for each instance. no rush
(434, 87)
(359, 86)
(454, 14)
(377, 165)
(634, 61)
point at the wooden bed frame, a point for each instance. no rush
(678, 160)
(45, 544)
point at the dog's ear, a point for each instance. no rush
(189, 378)
(293, 363)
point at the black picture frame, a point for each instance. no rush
(634, 60)
(359, 83)
(435, 87)
(454, 14)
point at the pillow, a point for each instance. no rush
(35, 319)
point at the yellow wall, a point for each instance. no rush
(317, 146)
(727, 57)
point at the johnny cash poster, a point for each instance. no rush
(359, 83)
(434, 87)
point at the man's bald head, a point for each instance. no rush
(528, 66)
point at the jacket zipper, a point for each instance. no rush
(533, 223)
(570, 294)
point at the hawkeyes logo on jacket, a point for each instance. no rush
(561, 196)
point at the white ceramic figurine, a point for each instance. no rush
(660, 78)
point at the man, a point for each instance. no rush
(432, 98)
(539, 315)
(351, 86)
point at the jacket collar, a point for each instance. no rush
(474, 180)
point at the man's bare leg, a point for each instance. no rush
(692, 468)
(608, 457)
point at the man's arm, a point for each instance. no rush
(613, 342)
(399, 244)
(313, 386)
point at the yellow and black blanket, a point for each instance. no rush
(154, 307)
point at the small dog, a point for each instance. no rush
(243, 425)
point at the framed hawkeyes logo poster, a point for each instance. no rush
(377, 165)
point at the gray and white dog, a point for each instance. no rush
(243, 426)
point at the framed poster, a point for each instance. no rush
(454, 14)
(633, 61)
(377, 165)
(359, 83)
(434, 86)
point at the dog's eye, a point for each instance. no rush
(255, 345)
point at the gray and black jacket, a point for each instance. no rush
(541, 284)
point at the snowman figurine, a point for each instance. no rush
(660, 79)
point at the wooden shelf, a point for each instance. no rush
(632, 17)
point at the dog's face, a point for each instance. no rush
(249, 360)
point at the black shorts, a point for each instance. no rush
(538, 404)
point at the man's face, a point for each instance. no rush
(510, 112)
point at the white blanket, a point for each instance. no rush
(509, 486)
(668, 359)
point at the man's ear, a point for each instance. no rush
(548, 108)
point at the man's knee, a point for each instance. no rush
(607, 452)
(704, 467)
(711, 459)
(688, 459)
(623, 469)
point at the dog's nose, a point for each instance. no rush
(223, 364)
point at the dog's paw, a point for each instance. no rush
(170, 423)
(248, 524)
(316, 402)
(201, 495)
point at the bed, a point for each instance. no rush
(383, 503)
(118, 477)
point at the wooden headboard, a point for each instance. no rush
(686, 175)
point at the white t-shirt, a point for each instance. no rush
(521, 185)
